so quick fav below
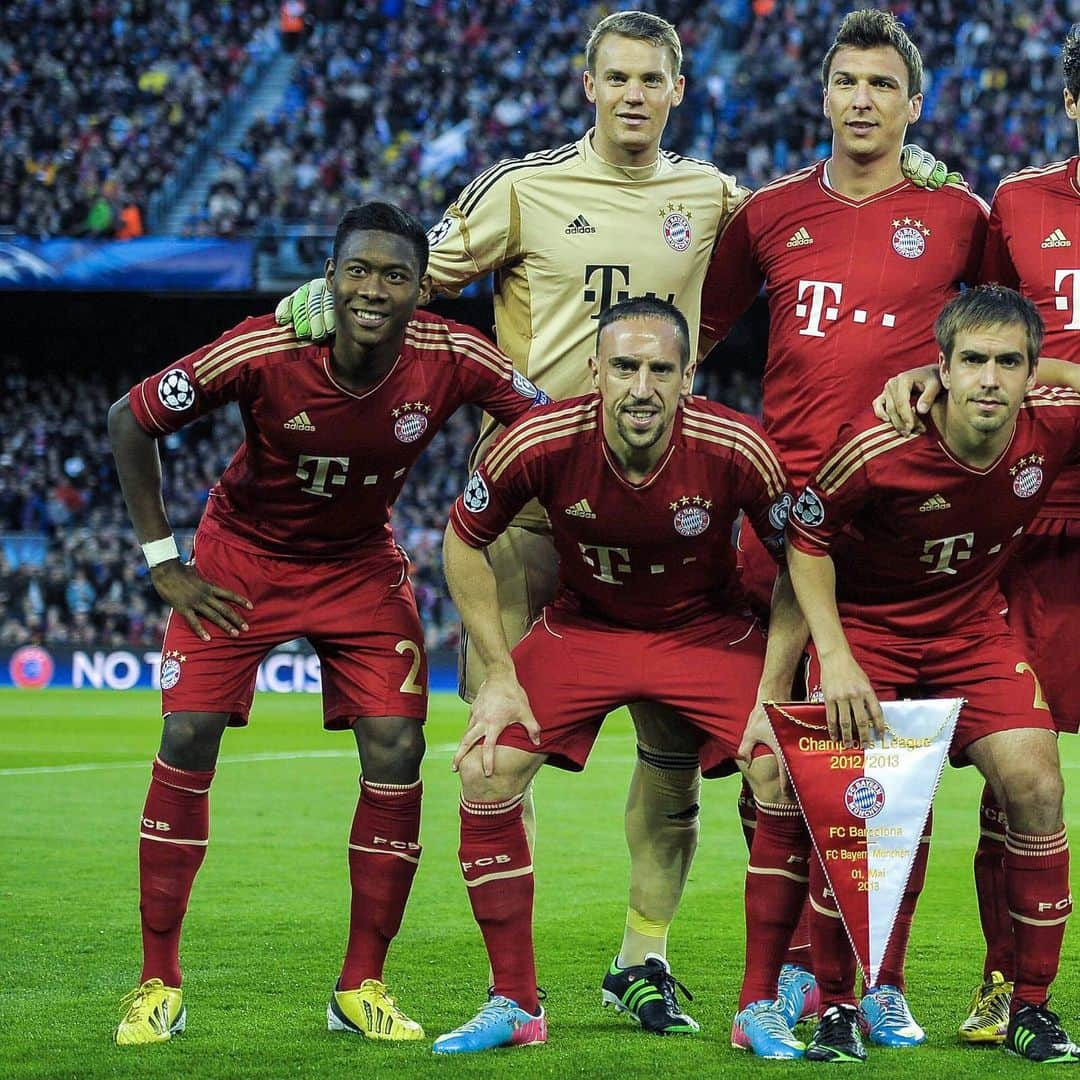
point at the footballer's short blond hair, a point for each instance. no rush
(640, 25)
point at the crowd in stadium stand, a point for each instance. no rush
(409, 101)
(100, 101)
(86, 582)
(354, 124)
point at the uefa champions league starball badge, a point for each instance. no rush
(175, 391)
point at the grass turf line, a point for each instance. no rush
(266, 928)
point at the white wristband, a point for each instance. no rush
(159, 551)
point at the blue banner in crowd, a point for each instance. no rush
(284, 671)
(151, 263)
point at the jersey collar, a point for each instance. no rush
(1073, 175)
(616, 172)
(939, 438)
(826, 186)
(359, 394)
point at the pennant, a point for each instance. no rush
(866, 808)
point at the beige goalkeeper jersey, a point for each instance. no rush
(567, 234)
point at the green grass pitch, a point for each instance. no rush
(266, 928)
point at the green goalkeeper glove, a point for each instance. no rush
(924, 170)
(309, 310)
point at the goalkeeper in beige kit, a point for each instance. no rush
(568, 232)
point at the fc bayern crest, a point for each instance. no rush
(865, 797)
(691, 515)
(676, 226)
(410, 420)
(1028, 481)
(171, 668)
(909, 237)
(1027, 476)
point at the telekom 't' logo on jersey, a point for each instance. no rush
(608, 562)
(1069, 301)
(318, 472)
(607, 284)
(942, 553)
(819, 303)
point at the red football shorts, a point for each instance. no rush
(576, 671)
(1042, 585)
(988, 670)
(358, 614)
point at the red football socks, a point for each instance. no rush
(497, 866)
(384, 852)
(776, 884)
(834, 960)
(1037, 886)
(989, 867)
(173, 835)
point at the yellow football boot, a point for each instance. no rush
(152, 1013)
(988, 1020)
(372, 1012)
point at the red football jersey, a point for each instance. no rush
(919, 538)
(1033, 245)
(853, 291)
(320, 464)
(649, 555)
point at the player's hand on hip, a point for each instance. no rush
(499, 703)
(194, 598)
(309, 310)
(893, 404)
(852, 710)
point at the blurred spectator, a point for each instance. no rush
(291, 23)
(131, 222)
(100, 217)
